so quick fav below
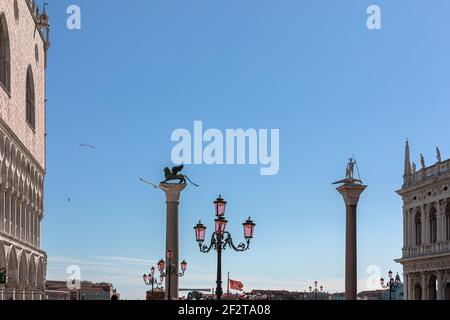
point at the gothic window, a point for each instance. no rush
(5, 68)
(30, 103)
(433, 226)
(418, 229)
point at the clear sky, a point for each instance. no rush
(137, 70)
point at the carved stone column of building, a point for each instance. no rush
(351, 193)
(35, 223)
(424, 225)
(440, 280)
(411, 229)
(441, 221)
(13, 230)
(424, 286)
(406, 286)
(405, 229)
(27, 220)
(8, 209)
(2, 205)
(172, 192)
(22, 217)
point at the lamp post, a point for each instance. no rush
(150, 280)
(391, 284)
(168, 269)
(222, 239)
(316, 290)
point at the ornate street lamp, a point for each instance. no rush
(150, 280)
(167, 269)
(316, 290)
(221, 239)
(391, 284)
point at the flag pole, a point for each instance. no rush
(228, 286)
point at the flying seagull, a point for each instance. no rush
(87, 146)
(150, 183)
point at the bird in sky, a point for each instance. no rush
(86, 146)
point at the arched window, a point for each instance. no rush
(31, 109)
(433, 225)
(418, 229)
(5, 68)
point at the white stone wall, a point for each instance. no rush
(24, 38)
(22, 160)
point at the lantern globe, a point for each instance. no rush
(200, 231)
(220, 206)
(145, 278)
(382, 282)
(221, 224)
(169, 254)
(390, 274)
(183, 265)
(249, 228)
(161, 265)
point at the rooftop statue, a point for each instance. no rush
(438, 154)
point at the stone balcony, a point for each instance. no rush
(427, 249)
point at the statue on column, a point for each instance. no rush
(175, 174)
(170, 175)
(350, 173)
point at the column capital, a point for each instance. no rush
(172, 191)
(351, 193)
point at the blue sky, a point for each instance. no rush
(138, 70)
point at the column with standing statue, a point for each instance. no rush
(351, 190)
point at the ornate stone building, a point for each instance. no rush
(426, 229)
(23, 51)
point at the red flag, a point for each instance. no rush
(236, 285)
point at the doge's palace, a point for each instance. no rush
(23, 58)
(426, 228)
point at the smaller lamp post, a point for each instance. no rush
(168, 269)
(391, 284)
(150, 280)
(316, 290)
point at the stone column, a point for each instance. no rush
(424, 225)
(405, 230)
(406, 286)
(441, 285)
(172, 192)
(424, 287)
(8, 209)
(2, 206)
(351, 193)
